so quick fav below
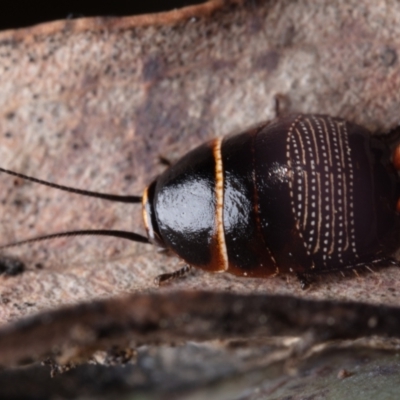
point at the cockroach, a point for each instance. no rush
(304, 194)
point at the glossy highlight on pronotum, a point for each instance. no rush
(304, 194)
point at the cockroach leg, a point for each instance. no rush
(367, 267)
(378, 262)
(164, 161)
(355, 273)
(305, 280)
(393, 261)
(281, 104)
(168, 277)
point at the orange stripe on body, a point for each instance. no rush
(219, 206)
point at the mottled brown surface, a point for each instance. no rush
(76, 332)
(94, 102)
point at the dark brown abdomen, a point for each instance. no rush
(327, 193)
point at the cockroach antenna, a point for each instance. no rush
(81, 232)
